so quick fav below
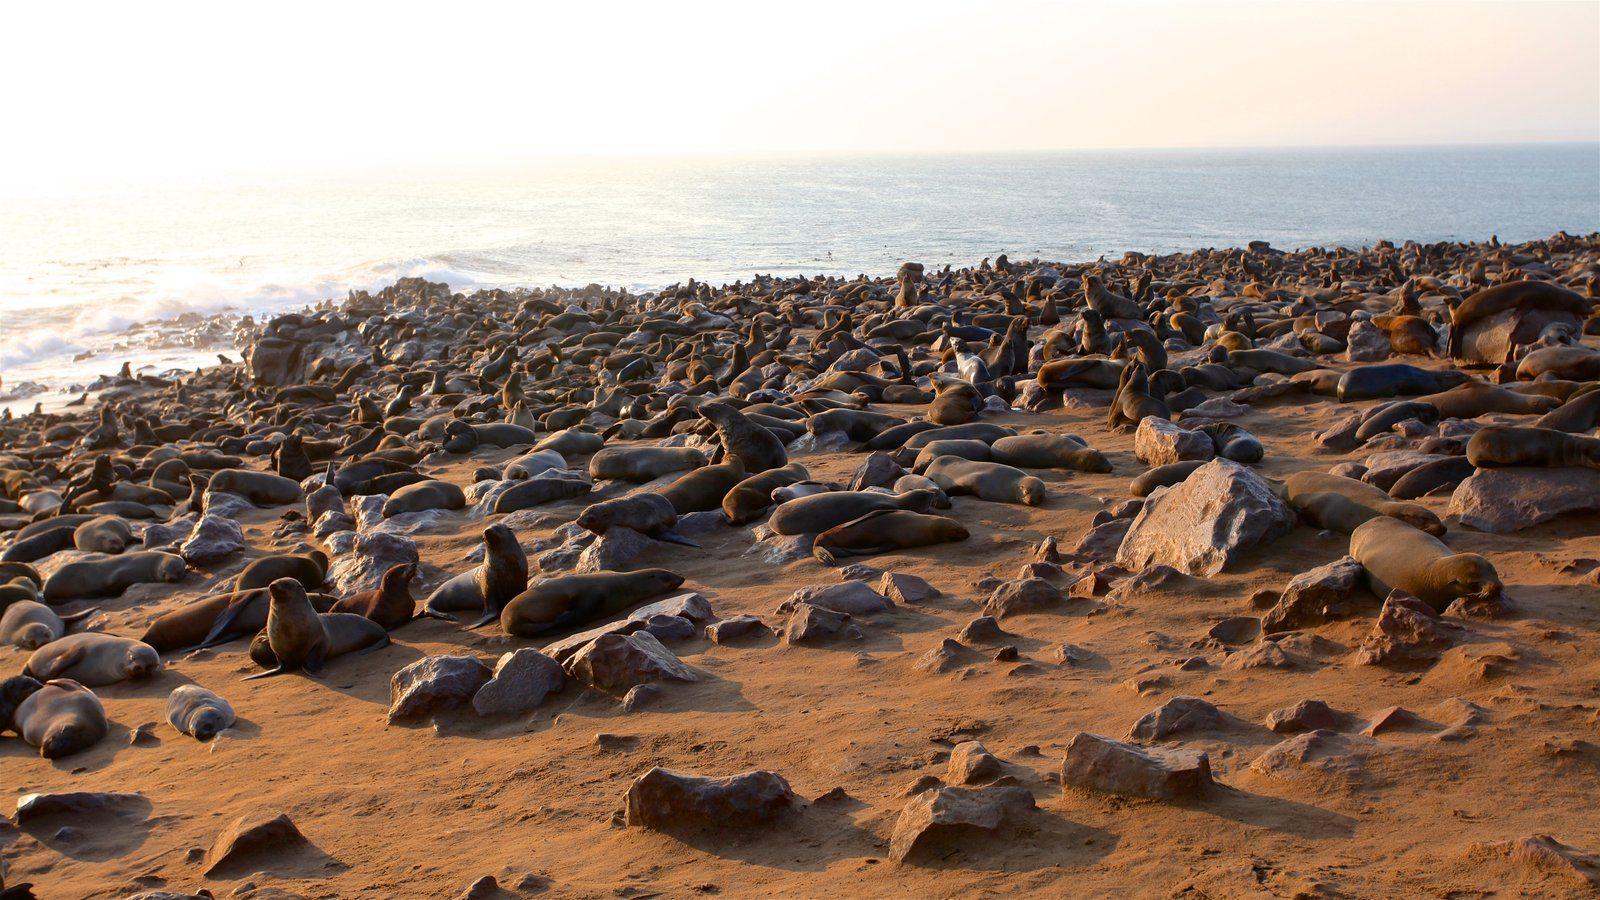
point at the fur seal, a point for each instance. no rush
(294, 631)
(310, 569)
(488, 586)
(1488, 325)
(213, 620)
(28, 625)
(857, 424)
(642, 464)
(1396, 380)
(819, 512)
(1395, 555)
(986, 481)
(955, 402)
(111, 575)
(559, 604)
(700, 490)
(647, 512)
(1472, 399)
(197, 712)
(1579, 413)
(536, 491)
(391, 605)
(103, 534)
(753, 446)
(1432, 476)
(1134, 401)
(1505, 445)
(1042, 450)
(1164, 476)
(753, 496)
(60, 717)
(883, 530)
(346, 633)
(533, 463)
(1332, 512)
(422, 495)
(1367, 495)
(1571, 363)
(964, 448)
(94, 659)
(260, 488)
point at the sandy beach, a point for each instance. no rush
(923, 750)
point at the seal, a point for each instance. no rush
(213, 620)
(1134, 401)
(346, 633)
(423, 495)
(647, 512)
(1164, 476)
(260, 488)
(103, 534)
(641, 464)
(1233, 442)
(1043, 450)
(111, 575)
(965, 448)
(1487, 326)
(986, 481)
(1571, 363)
(1579, 413)
(1506, 445)
(819, 512)
(884, 530)
(294, 631)
(700, 490)
(570, 442)
(310, 569)
(1472, 399)
(987, 432)
(533, 463)
(1432, 476)
(391, 605)
(753, 446)
(28, 625)
(1397, 556)
(857, 424)
(197, 712)
(751, 497)
(955, 402)
(1332, 512)
(60, 717)
(536, 491)
(489, 586)
(1367, 495)
(559, 604)
(94, 659)
(1396, 380)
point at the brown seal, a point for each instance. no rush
(1395, 555)
(217, 619)
(1506, 445)
(489, 586)
(94, 659)
(309, 569)
(559, 604)
(29, 625)
(294, 631)
(819, 512)
(753, 496)
(641, 464)
(754, 447)
(703, 489)
(60, 717)
(986, 480)
(1370, 496)
(884, 530)
(1490, 324)
(391, 605)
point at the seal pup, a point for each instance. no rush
(751, 497)
(29, 625)
(94, 659)
(558, 604)
(648, 513)
(60, 717)
(346, 633)
(1506, 445)
(111, 575)
(197, 712)
(986, 480)
(819, 512)
(1370, 496)
(391, 605)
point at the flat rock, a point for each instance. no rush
(32, 807)
(1176, 716)
(663, 799)
(809, 624)
(1158, 442)
(522, 680)
(435, 683)
(879, 470)
(1022, 596)
(1202, 525)
(1407, 632)
(1540, 857)
(360, 559)
(903, 588)
(971, 763)
(852, 597)
(1307, 715)
(1155, 773)
(1317, 756)
(614, 551)
(1501, 501)
(735, 629)
(954, 813)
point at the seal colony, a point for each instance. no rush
(953, 553)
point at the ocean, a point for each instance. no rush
(77, 270)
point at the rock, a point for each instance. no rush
(224, 504)
(435, 683)
(1501, 501)
(615, 662)
(1158, 442)
(982, 630)
(1101, 542)
(971, 763)
(521, 681)
(1155, 579)
(692, 606)
(907, 589)
(850, 597)
(614, 551)
(1315, 597)
(1178, 715)
(808, 624)
(661, 799)
(250, 840)
(775, 549)
(1072, 655)
(826, 442)
(1307, 715)
(1340, 437)
(736, 628)
(78, 804)
(168, 535)
(1366, 343)
(669, 628)
(639, 696)
(1215, 408)
(1395, 718)
(485, 888)
(1047, 551)
(1265, 655)
(954, 813)
(1318, 756)
(1385, 468)
(1540, 857)
(1022, 596)
(214, 538)
(368, 510)
(880, 470)
(1156, 773)
(946, 657)
(359, 560)
(1236, 629)
(1408, 631)
(1202, 525)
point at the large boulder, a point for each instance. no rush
(1408, 632)
(663, 799)
(1314, 597)
(435, 683)
(1202, 525)
(521, 681)
(360, 559)
(1158, 442)
(954, 813)
(213, 539)
(616, 663)
(1511, 499)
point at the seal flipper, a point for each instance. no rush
(79, 616)
(224, 620)
(487, 618)
(672, 538)
(280, 670)
(432, 614)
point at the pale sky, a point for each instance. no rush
(102, 93)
